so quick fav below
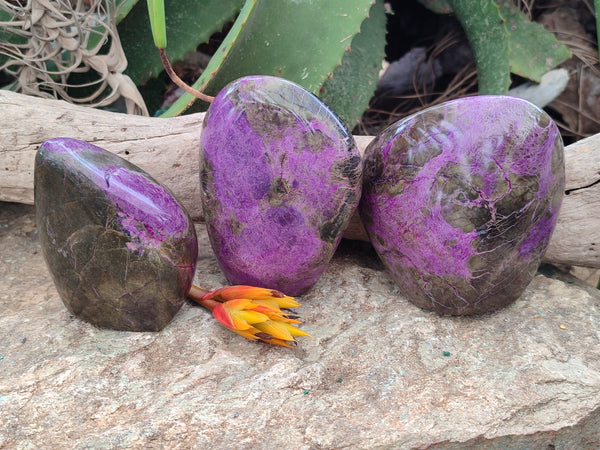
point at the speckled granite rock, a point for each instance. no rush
(379, 372)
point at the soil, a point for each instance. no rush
(446, 69)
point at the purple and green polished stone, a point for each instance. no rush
(460, 201)
(121, 250)
(281, 177)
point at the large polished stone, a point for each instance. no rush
(120, 248)
(460, 201)
(281, 177)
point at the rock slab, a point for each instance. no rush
(378, 373)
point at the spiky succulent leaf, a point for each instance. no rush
(488, 38)
(189, 23)
(301, 41)
(496, 34)
(352, 85)
(533, 50)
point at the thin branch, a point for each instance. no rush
(179, 82)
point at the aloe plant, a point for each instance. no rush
(351, 87)
(189, 23)
(283, 39)
(533, 50)
(488, 37)
(337, 56)
(503, 40)
(331, 47)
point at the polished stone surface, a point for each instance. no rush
(460, 201)
(120, 248)
(281, 177)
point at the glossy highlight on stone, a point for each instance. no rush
(460, 201)
(121, 250)
(281, 177)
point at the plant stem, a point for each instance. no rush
(197, 294)
(178, 81)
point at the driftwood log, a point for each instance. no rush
(168, 150)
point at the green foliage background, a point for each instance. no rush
(334, 48)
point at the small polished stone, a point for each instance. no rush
(121, 250)
(281, 177)
(460, 201)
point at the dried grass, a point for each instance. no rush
(61, 38)
(578, 113)
(573, 115)
(385, 110)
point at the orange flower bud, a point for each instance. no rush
(254, 313)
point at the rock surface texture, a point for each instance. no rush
(379, 372)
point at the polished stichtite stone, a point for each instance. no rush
(121, 250)
(281, 176)
(460, 201)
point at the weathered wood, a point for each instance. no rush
(168, 150)
(165, 148)
(576, 239)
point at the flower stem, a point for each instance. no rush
(178, 81)
(197, 294)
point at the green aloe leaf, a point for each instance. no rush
(488, 38)
(533, 49)
(184, 102)
(124, 6)
(189, 23)
(353, 83)
(438, 6)
(298, 40)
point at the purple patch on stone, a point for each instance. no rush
(142, 201)
(460, 200)
(280, 177)
(122, 251)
